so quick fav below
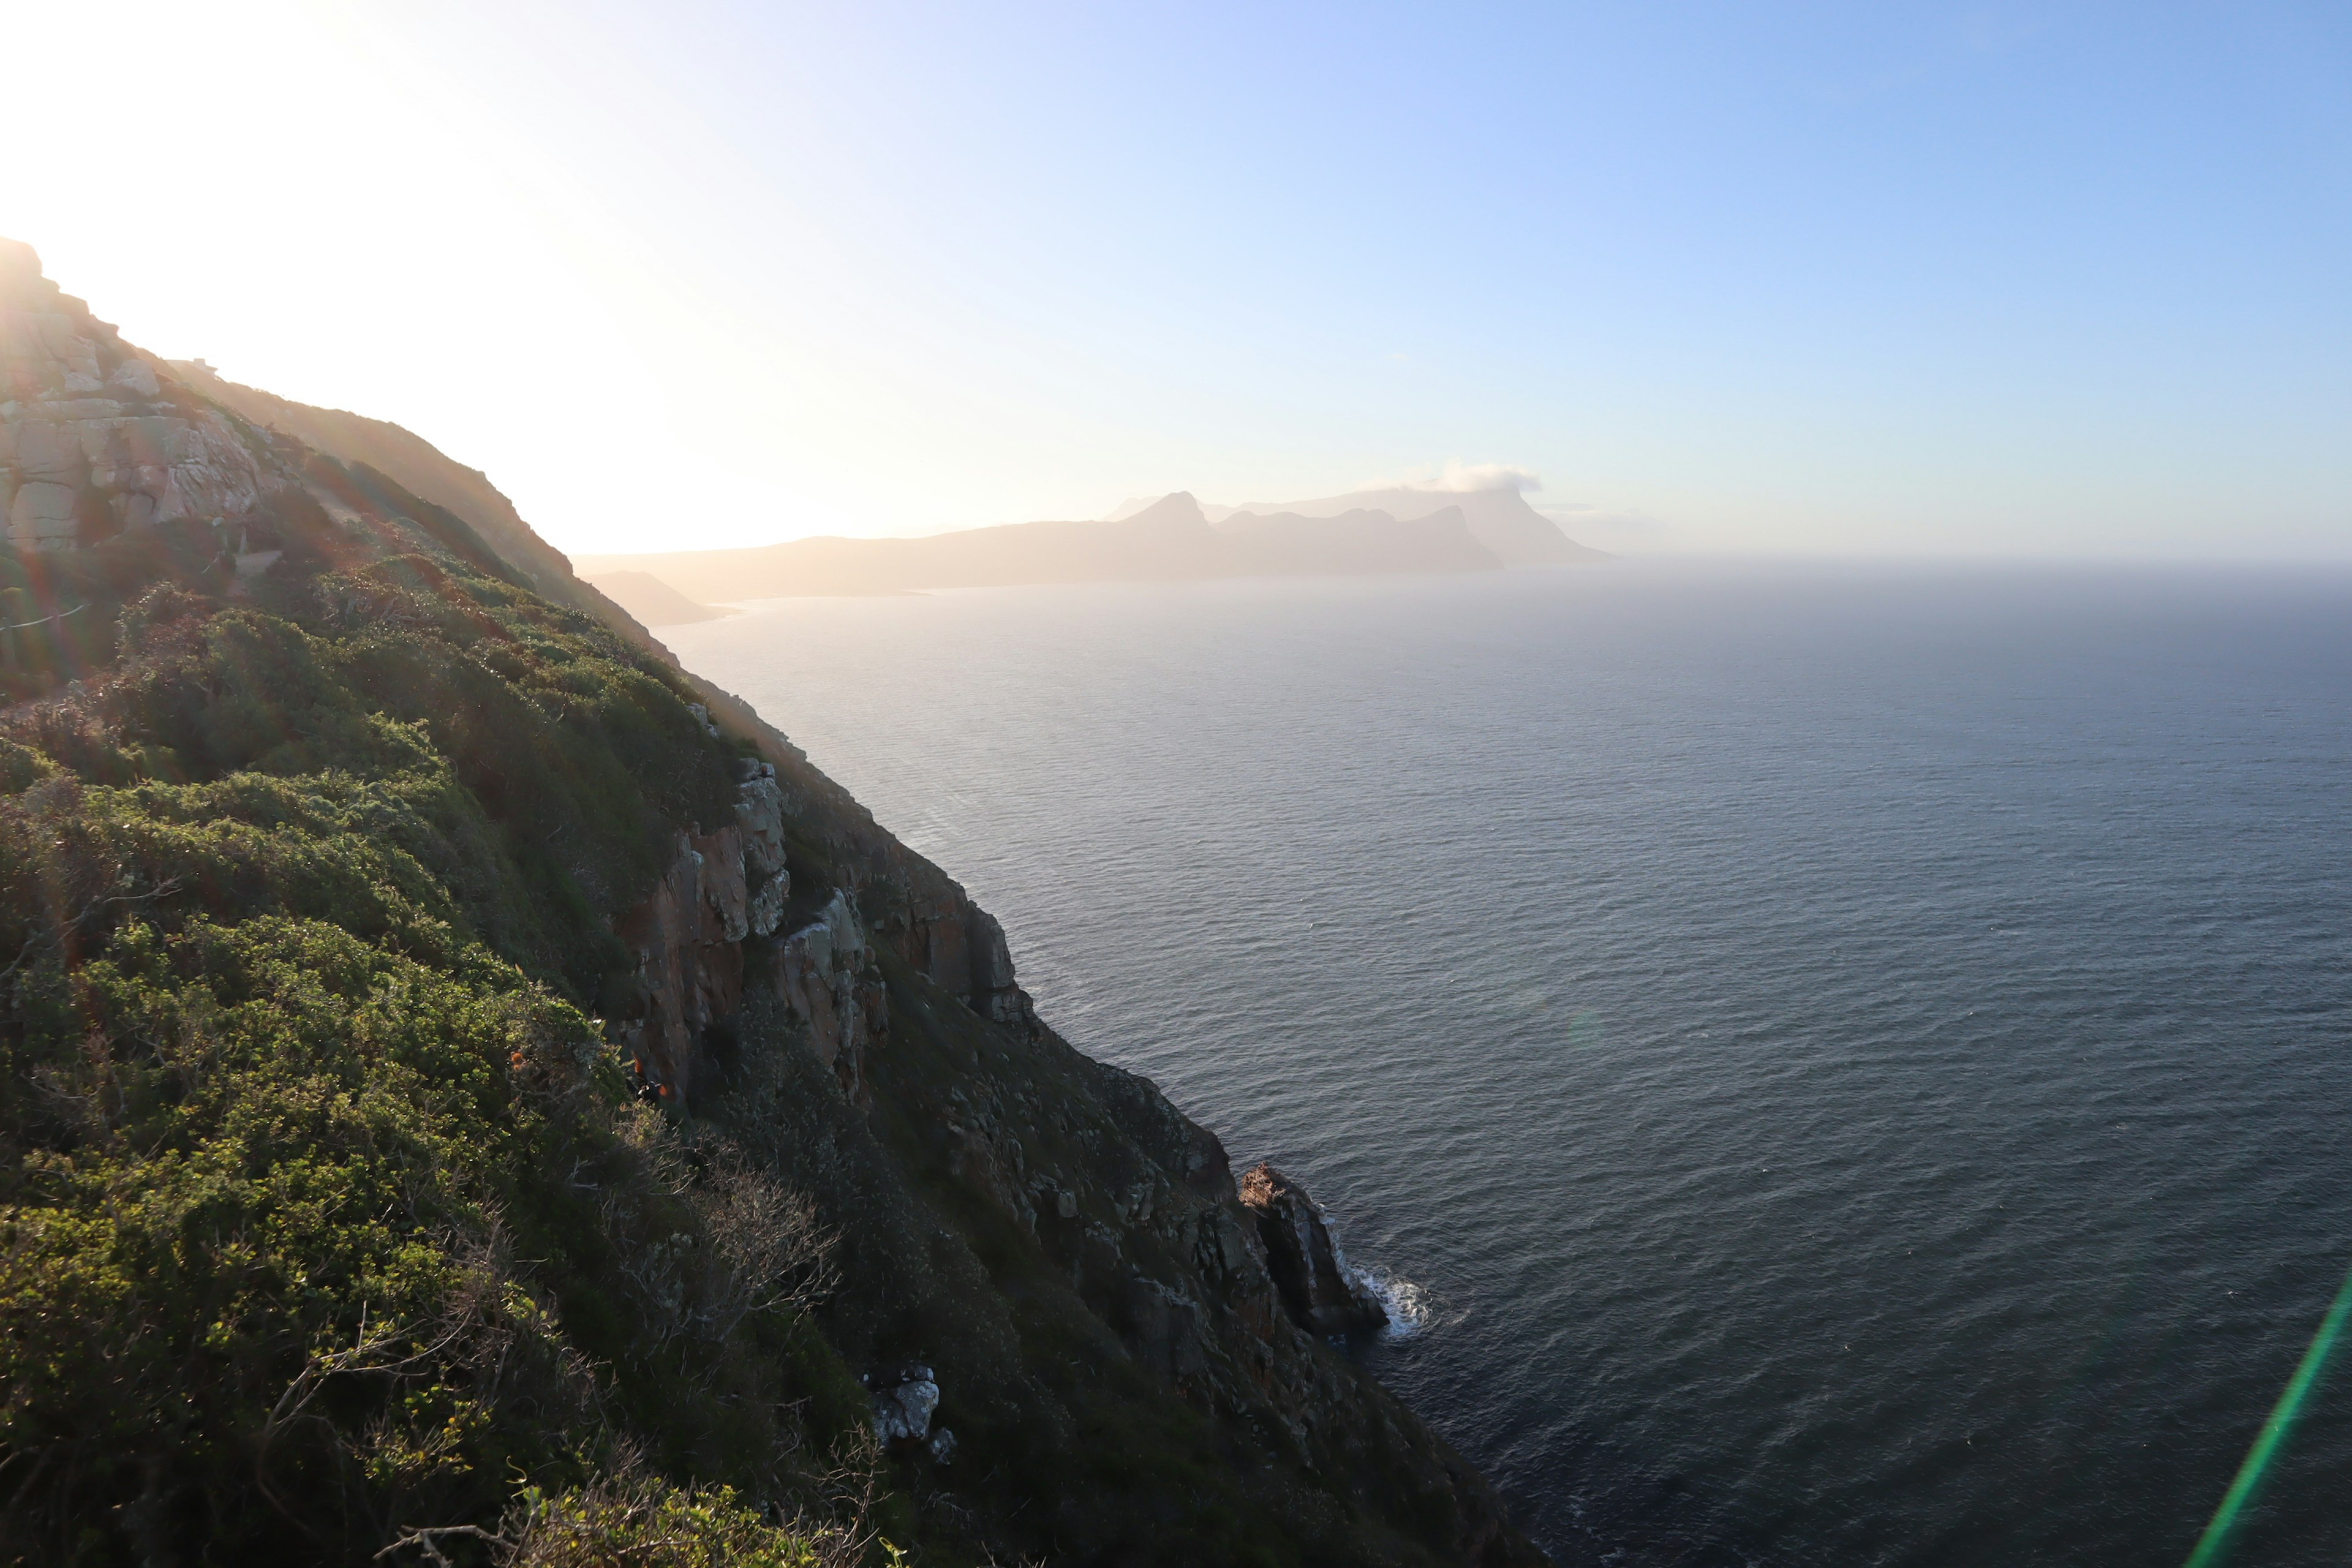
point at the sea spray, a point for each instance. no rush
(1409, 1306)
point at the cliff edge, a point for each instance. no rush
(473, 1092)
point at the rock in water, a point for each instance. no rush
(1321, 1294)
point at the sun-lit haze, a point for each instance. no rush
(2010, 278)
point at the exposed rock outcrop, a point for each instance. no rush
(1221, 1292)
(826, 978)
(760, 814)
(92, 441)
(902, 1409)
(1321, 1293)
(686, 935)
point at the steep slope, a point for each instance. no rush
(1169, 540)
(377, 445)
(466, 1090)
(407, 459)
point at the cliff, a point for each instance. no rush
(470, 1091)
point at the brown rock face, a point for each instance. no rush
(688, 936)
(1318, 1289)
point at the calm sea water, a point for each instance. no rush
(1858, 1061)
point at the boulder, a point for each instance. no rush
(902, 1412)
(1318, 1289)
(42, 516)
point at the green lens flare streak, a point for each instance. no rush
(2212, 1546)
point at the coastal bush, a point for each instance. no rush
(333, 1228)
(326, 1215)
(637, 1522)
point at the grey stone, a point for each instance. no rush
(767, 911)
(759, 812)
(903, 1413)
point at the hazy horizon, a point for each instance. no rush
(736, 735)
(2011, 280)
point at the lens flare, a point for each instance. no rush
(2212, 1547)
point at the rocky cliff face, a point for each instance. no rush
(1126, 1349)
(93, 442)
(1002, 1190)
(1318, 1289)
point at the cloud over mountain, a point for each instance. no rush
(1455, 476)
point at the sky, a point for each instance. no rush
(2007, 279)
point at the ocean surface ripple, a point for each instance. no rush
(1852, 1060)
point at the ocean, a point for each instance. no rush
(1843, 1063)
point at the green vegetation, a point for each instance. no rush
(327, 1214)
(334, 1228)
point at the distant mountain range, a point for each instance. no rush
(1173, 538)
(1500, 518)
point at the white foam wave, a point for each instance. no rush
(1409, 1306)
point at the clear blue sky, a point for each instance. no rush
(2030, 278)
